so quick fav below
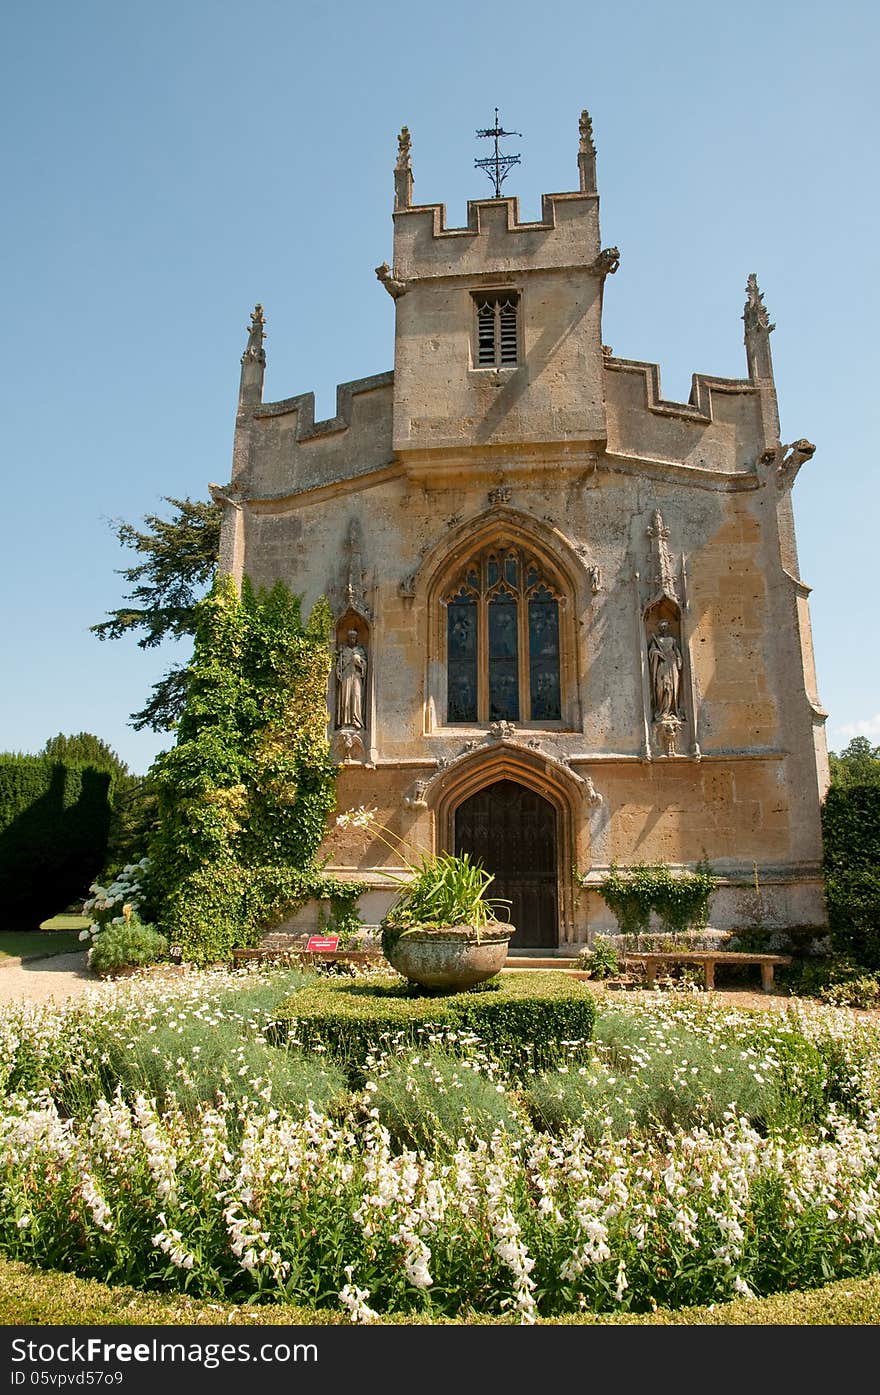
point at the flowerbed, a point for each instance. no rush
(250, 1192)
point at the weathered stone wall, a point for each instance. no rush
(576, 454)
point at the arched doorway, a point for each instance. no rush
(511, 830)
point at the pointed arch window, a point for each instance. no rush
(502, 640)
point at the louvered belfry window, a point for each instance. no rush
(497, 329)
(502, 640)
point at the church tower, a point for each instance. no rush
(570, 629)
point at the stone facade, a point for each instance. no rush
(677, 715)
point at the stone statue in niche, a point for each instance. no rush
(665, 662)
(351, 682)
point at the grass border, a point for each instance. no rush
(48, 1298)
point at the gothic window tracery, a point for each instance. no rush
(502, 639)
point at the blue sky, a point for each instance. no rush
(168, 165)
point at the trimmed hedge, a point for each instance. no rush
(54, 825)
(851, 834)
(536, 1016)
(45, 1298)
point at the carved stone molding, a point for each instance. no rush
(348, 747)
(393, 286)
(501, 731)
(351, 595)
(606, 263)
(663, 580)
(668, 728)
(415, 799)
(783, 462)
(502, 494)
(591, 794)
(406, 587)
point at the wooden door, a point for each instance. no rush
(511, 830)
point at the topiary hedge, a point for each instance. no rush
(851, 835)
(54, 824)
(47, 1298)
(536, 1016)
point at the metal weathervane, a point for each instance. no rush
(497, 166)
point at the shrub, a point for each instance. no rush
(601, 959)
(126, 946)
(529, 1018)
(839, 981)
(433, 1101)
(244, 795)
(681, 900)
(851, 835)
(54, 823)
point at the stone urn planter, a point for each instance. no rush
(449, 957)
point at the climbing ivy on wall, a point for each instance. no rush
(245, 793)
(681, 899)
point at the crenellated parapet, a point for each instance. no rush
(426, 246)
(303, 405)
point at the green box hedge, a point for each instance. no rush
(535, 1018)
(54, 824)
(851, 835)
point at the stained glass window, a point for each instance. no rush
(503, 640)
(462, 659)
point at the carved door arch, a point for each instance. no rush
(512, 831)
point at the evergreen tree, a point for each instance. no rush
(179, 562)
(85, 749)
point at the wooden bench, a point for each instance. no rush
(653, 959)
(293, 954)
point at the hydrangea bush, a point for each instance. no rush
(117, 903)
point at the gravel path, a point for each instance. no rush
(61, 976)
(65, 976)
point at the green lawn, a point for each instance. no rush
(66, 922)
(37, 944)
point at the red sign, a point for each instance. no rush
(319, 942)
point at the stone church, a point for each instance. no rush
(570, 629)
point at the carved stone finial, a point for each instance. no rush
(663, 578)
(606, 263)
(757, 332)
(404, 149)
(349, 591)
(755, 313)
(394, 287)
(403, 175)
(255, 352)
(586, 155)
(354, 589)
(585, 126)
